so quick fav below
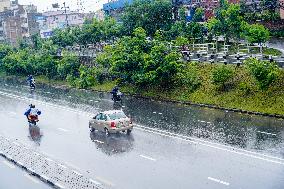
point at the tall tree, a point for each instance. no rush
(148, 14)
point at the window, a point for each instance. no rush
(117, 115)
(101, 117)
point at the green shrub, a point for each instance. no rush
(264, 72)
(189, 77)
(16, 63)
(221, 76)
(244, 88)
(69, 64)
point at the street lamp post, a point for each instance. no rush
(65, 12)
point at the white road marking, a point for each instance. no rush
(13, 113)
(98, 141)
(32, 178)
(262, 132)
(105, 181)
(223, 147)
(219, 181)
(8, 164)
(61, 129)
(147, 157)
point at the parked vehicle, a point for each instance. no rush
(112, 121)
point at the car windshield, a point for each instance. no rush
(117, 115)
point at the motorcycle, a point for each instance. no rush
(33, 119)
(32, 84)
(117, 96)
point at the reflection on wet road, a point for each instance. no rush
(173, 146)
(245, 131)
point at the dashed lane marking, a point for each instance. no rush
(147, 157)
(61, 129)
(218, 181)
(228, 149)
(243, 152)
(12, 113)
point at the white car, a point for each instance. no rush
(112, 121)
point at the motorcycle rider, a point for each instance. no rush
(32, 113)
(31, 81)
(115, 91)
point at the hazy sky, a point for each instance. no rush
(43, 5)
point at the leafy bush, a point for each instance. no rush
(221, 76)
(264, 72)
(16, 63)
(4, 51)
(68, 65)
(244, 88)
(189, 77)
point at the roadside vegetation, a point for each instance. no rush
(141, 60)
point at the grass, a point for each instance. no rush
(248, 98)
(270, 101)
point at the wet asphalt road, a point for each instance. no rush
(12, 177)
(173, 146)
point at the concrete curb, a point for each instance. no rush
(43, 178)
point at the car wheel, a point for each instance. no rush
(107, 132)
(129, 131)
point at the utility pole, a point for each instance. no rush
(65, 12)
(175, 9)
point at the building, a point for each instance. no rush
(12, 29)
(3, 16)
(5, 5)
(59, 20)
(34, 23)
(281, 2)
(99, 15)
(114, 8)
